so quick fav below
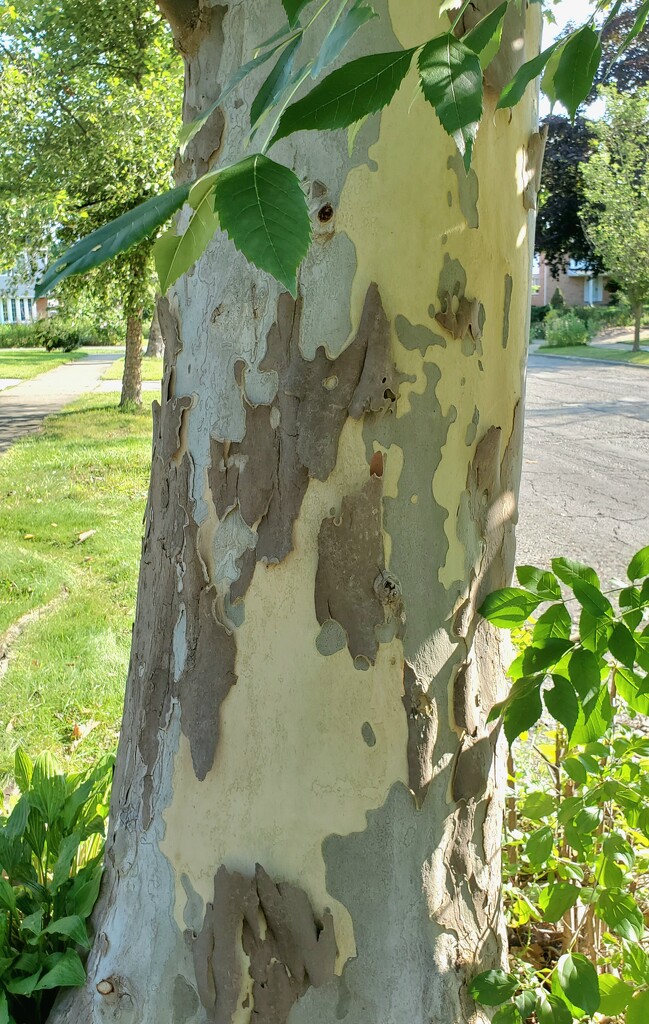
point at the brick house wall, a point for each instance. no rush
(578, 288)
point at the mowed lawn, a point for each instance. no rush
(88, 471)
(25, 363)
(592, 352)
(151, 369)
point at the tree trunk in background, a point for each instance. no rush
(307, 806)
(155, 346)
(637, 310)
(132, 377)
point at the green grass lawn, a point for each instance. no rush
(25, 363)
(590, 352)
(87, 471)
(151, 369)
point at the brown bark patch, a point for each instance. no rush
(352, 586)
(461, 316)
(289, 949)
(421, 734)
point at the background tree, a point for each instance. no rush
(88, 124)
(616, 189)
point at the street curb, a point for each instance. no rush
(589, 362)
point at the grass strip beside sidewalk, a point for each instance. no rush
(151, 369)
(590, 352)
(64, 682)
(26, 363)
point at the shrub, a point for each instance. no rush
(57, 333)
(51, 851)
(565, 329)
(539, 313)
(557, 301)
(19, 336)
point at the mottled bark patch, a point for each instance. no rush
(468, 187)
(288, 948)
(296, 437)
(414, 336)
(462, 317)
(352, 586)
(421, 717)
(509, 288)
(534, 153)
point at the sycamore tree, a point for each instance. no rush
(616, 190)
(307, 804)
(91, 100)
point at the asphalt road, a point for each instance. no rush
(585, 485)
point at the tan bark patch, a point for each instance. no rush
(287, 947)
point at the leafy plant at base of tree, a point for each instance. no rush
(579, 847)
(450, 69)
(564, 328)
(51, 853)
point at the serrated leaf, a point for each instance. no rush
(594, 632)
(273, 86)
(555, 622)
(592, 726)
(340, 34)
(191, 128)
(592, 599)
(539, 658)
(561, 701)
(264, 211)
(491, 988)
(450, 74)
(359, 88)
(639, 565)
(578, 980)
(515, 88)
(638, 1009)
(508, 607)
(116, 237)
(568, 571)
(539, 582)
(622, 645)
(621, 914)
(585, 675)
(547, 81)
(174, 254)
(523, 708)
(628, 686)
(484, 38)
(556, 899)
(67, 972)
(293, 9)
(576, 69)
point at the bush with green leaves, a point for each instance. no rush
(563, 329)
(577, 862)
(19, 336)
(51, 853)
(557, 301)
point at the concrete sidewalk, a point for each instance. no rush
(24, 407)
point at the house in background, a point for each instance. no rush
(578, 286)
(18, 304)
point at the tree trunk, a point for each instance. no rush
(132, 376)
(637, 312)
(307, 805)
(155, 346)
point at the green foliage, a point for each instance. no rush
(19, 336)
(557, 301)
(577, 844)
(51, 847)
(564, 329)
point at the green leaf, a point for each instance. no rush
(621, 913)
(561, 701)
(507, 1014)
(523, 708)
(263, 209)
(639, 564)
(592, 599)
(68, 972)
(538, 806)
(594, 632)
(622, 645)
(4, 1009)
(544, 584)
(585, 675)
(17, 820)
(592, 726)
(539, 845)
(491, 988)
(547, 81)
(575, 770)
(569, 571)
(556, 899)
(73, 927)
(484, 38)
(628, 687)
(617, 848)
(67, 852)
(638, 1009)
(450, 74)
(515, 88)
(552, 1010)
(361, 87)
(526, 1003)
(23, 769)
(82, 895)
(23, 986)
(577, 67)
(578, 980)
(636, 963)
(293, 9)
(7, 895)
(539, 658)
(273, 87)
(114, 238)
(342, 31)
(174, 254)
(509, 606)
(554, 622)
(637, 27)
